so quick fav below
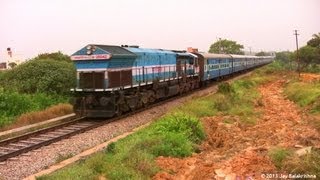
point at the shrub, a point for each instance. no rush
(225, 88)
(181, 123)
(44, 76)
(222, 102)
(278, 155)
(13, 104)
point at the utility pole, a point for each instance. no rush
(220, 47)
(298, 59)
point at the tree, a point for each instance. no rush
(226, 46)
(308, 55)
(43, 75)
(58, 56)
(315, 41)
(261, 54)
(12, 64)
(284, 56)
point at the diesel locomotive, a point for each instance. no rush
(112, 80)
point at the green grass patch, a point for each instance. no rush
(304, 94)
(14, 104)
(286, 160)
(175, 135)
(306, 164)
(200, 107)
(238, 99)
(278, 155)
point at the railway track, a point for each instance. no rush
(24, 143)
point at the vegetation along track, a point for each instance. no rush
(21, 144)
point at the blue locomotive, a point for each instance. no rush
(112, 80)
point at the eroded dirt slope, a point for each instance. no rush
(233, 150)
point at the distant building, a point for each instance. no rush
(3, 65)
(11, 59)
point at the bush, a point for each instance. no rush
(225, 88)
(222, 102)
(13, 104)
(181, 123)
(40, 76)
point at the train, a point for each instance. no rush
(112, 80)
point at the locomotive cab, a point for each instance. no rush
(100, 69)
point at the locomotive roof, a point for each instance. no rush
(148, 50)
(116, 51)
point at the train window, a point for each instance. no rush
(191, 62)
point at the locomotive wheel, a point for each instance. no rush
(152, 96)
(118, 111)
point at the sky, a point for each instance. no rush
(39, 26)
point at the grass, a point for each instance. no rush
(304, 94)
(306, 164)
(175, 134)
(14, 104)
(278, 155)
(39, 116)
(236, 99)
(286, 160)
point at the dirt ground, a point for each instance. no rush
(235, 151)
(308, 77)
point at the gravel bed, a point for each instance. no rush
(37, 160)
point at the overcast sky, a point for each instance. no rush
(31, 27)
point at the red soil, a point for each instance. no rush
(235, 150)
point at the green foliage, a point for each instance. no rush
(40, 76)
(226, 47)
(172, 144)
(13, 104)
(57, 56)
(133, 157)
(302, 93)
(179, 123)
(200, 107)
(315, 41)
(261, 53)
(284, 60)
(279, 155)
(12, 64)
(309, 55)
(222, 102)
(306, 164)
(225, 88)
